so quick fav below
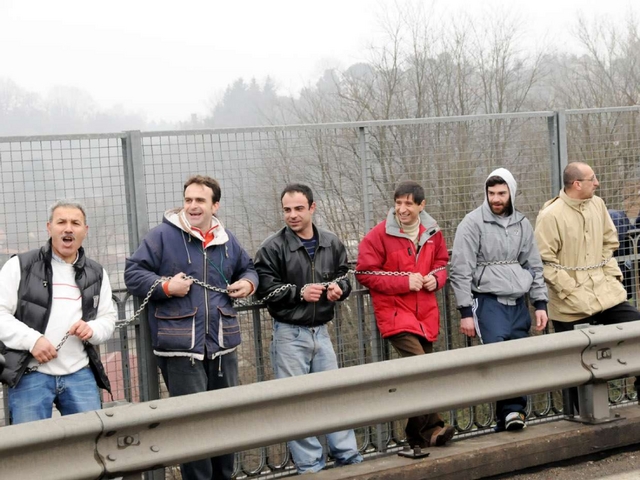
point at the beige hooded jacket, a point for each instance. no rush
(578, 233)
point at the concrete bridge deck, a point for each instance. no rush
(499, 453)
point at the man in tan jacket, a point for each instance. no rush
(576, 238)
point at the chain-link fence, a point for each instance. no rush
(128, 180)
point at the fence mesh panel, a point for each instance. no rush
(353, 170)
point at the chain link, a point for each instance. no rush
(36, 367)
(237, 302)
(144, 303)
(557, 266)
(497, 262)
(392, 274)
(247, 303)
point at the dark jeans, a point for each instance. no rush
(419, 429)
(499, 323)
(621, 313)
(183, 377)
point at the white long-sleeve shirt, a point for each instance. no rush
(66, 309)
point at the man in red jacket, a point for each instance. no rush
(410, 244)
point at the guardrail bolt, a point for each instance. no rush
(108, 413)
(621, 361)
(155, 448)
(592, 331)
(111, 458)
(594, 366)
(153, 406)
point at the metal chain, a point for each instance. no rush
(144, 303)
(247, 303)
(557, 266)
(122, 324)
(36, 367)
(237, 302)
(393, 274)
(381, 273)
(497, 262)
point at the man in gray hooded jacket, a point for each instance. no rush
(495, 262)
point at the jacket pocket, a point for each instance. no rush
(229, 331)
(176, 330)
(578, 301)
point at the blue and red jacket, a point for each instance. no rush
(203, 322)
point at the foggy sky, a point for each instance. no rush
(169, 60)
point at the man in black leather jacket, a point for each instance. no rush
(302, 271)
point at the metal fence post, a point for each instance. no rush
(557, 125)
(138, 226)
(258, 344)
(124, 350)
(375, 340)
(366, 178)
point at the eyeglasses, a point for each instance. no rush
(592, 179)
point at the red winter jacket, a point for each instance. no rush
(386, 248)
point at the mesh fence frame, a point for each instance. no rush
(609, 140)
(352, 169)
(35, 172)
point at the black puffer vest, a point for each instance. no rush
(34, 306)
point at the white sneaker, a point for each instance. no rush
(515, 421)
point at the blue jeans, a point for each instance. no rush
(184, 377)
(36, 393)
(297, 351)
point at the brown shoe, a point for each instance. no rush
(442, 435)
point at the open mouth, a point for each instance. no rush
(67, 240)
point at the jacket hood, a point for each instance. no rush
(177, 218)
(426, 220)
(511, 183)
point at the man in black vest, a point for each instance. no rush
(55, 305)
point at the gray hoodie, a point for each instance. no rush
(483, 238)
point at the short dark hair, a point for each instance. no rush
(409, 187)
(495, 180)
(210, 182)
(300, 188)
(572, 173)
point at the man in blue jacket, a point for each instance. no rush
(194, 331)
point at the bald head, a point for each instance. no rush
(579, 180)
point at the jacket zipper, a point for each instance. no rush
(415, 262)
(206, 300)
(506, 232)
(313, 276)
(313, 280)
